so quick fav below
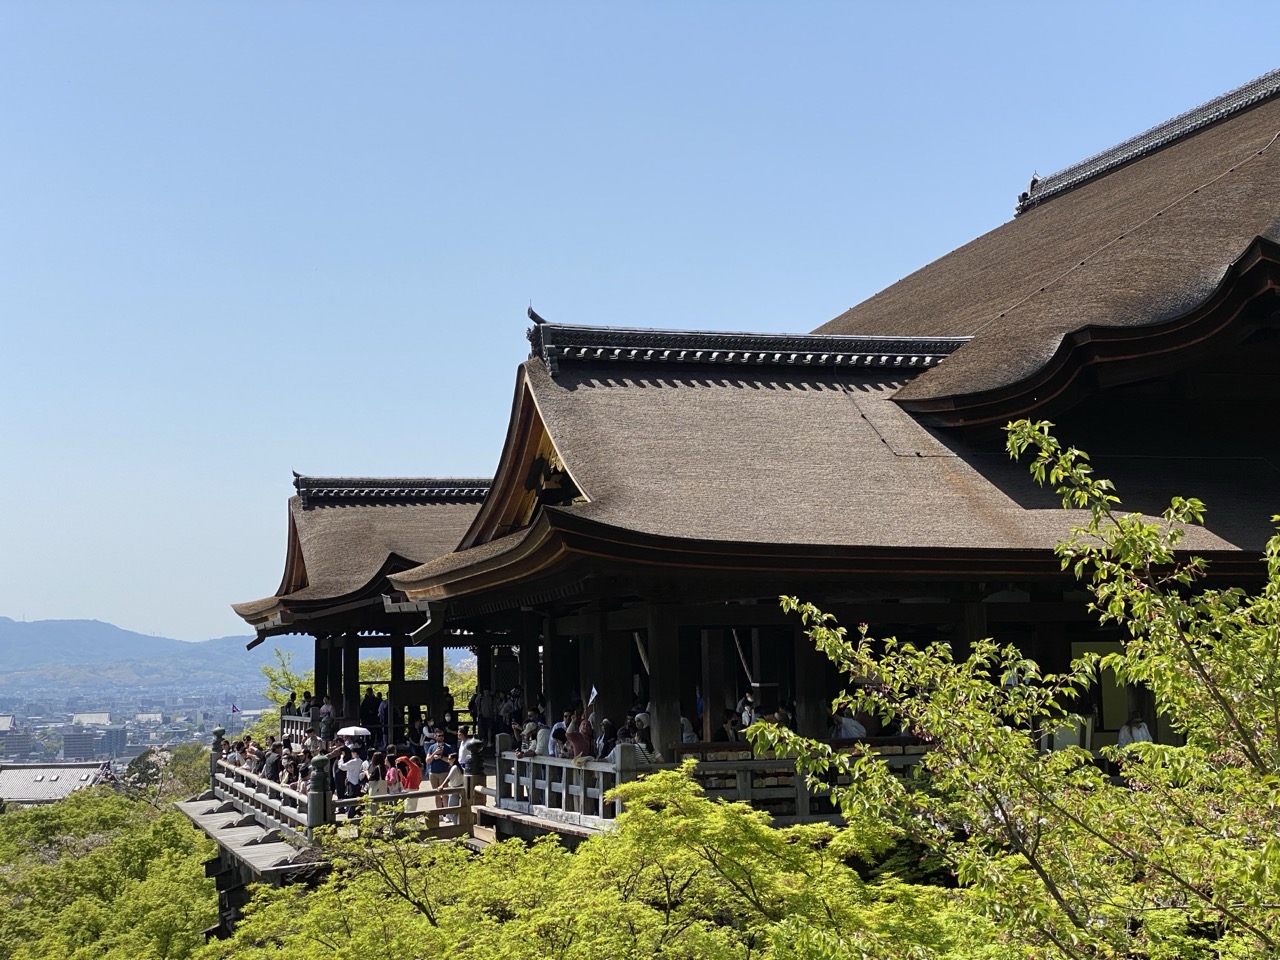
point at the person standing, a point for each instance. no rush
(384, 714)
(352, 768)
(437, 760)
(1135, 731)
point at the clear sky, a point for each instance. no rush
(239, 239)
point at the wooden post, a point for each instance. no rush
(335, 676)
(395, 691)
(812, 701)
(719, 692)
(664, 678)
(322, 676)
(484, 666)
(319, 799)
(435, 676)
(530, 666)
(351, 677)
(972, 626)
(215, 754)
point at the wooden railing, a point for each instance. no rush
(429, 807)
(730, 771)
(272, 804)
(295, 728)
(568, 791)
(278, 807)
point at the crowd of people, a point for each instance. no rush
(435, 755)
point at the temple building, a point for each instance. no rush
(657, 490)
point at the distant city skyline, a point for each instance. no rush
(238, 240)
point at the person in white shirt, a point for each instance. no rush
(453, 779)
(848, 727)
(353, 767)
(542, 740)
(1135, 731)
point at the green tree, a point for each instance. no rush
(162, 775)
(282, 680)
(1181, 857)
(102, 875)
(681, 876)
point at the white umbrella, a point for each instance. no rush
(353, 732)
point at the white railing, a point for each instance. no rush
(295, 728)
(568, 791)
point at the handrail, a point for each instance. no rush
(271, 785)
(406, 795)
(284, 806)
(562, 789)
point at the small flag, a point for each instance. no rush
(593, 696)
(234, 708)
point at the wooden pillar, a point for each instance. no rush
(664, 678)
(971, 626)
(560, 669)
(484, 667)
(718, 675)
(321, 674)
(435, 676)
(351, 677)
(395, 691)
(605, 664)
(335, 674)
(530, 666)
(813, 703)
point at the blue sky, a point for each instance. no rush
(239, 239)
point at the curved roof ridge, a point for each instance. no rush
(1162, 135)
(554, 343)
(374, 491)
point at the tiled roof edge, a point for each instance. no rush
(557, 343)
(1255, 91)
(377, 491)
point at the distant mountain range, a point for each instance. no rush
(61, 654)
(68, 655)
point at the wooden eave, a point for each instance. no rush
(288, 616)
(1095, 357)
(511, 504)
(295, 566)
(558, 538)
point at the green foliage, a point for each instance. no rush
(100, 875)
(1178, 859)
(162, 775)
(681, 876)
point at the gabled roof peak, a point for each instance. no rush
(1042, 189)
(556, 343)
(380, 491)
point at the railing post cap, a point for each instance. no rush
(320, 763)
(219, 732)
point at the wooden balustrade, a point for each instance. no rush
(730, 771)
(294, 728)
(271, 804)
(568, 791)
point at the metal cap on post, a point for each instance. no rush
(319, 799)
(215, 754)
